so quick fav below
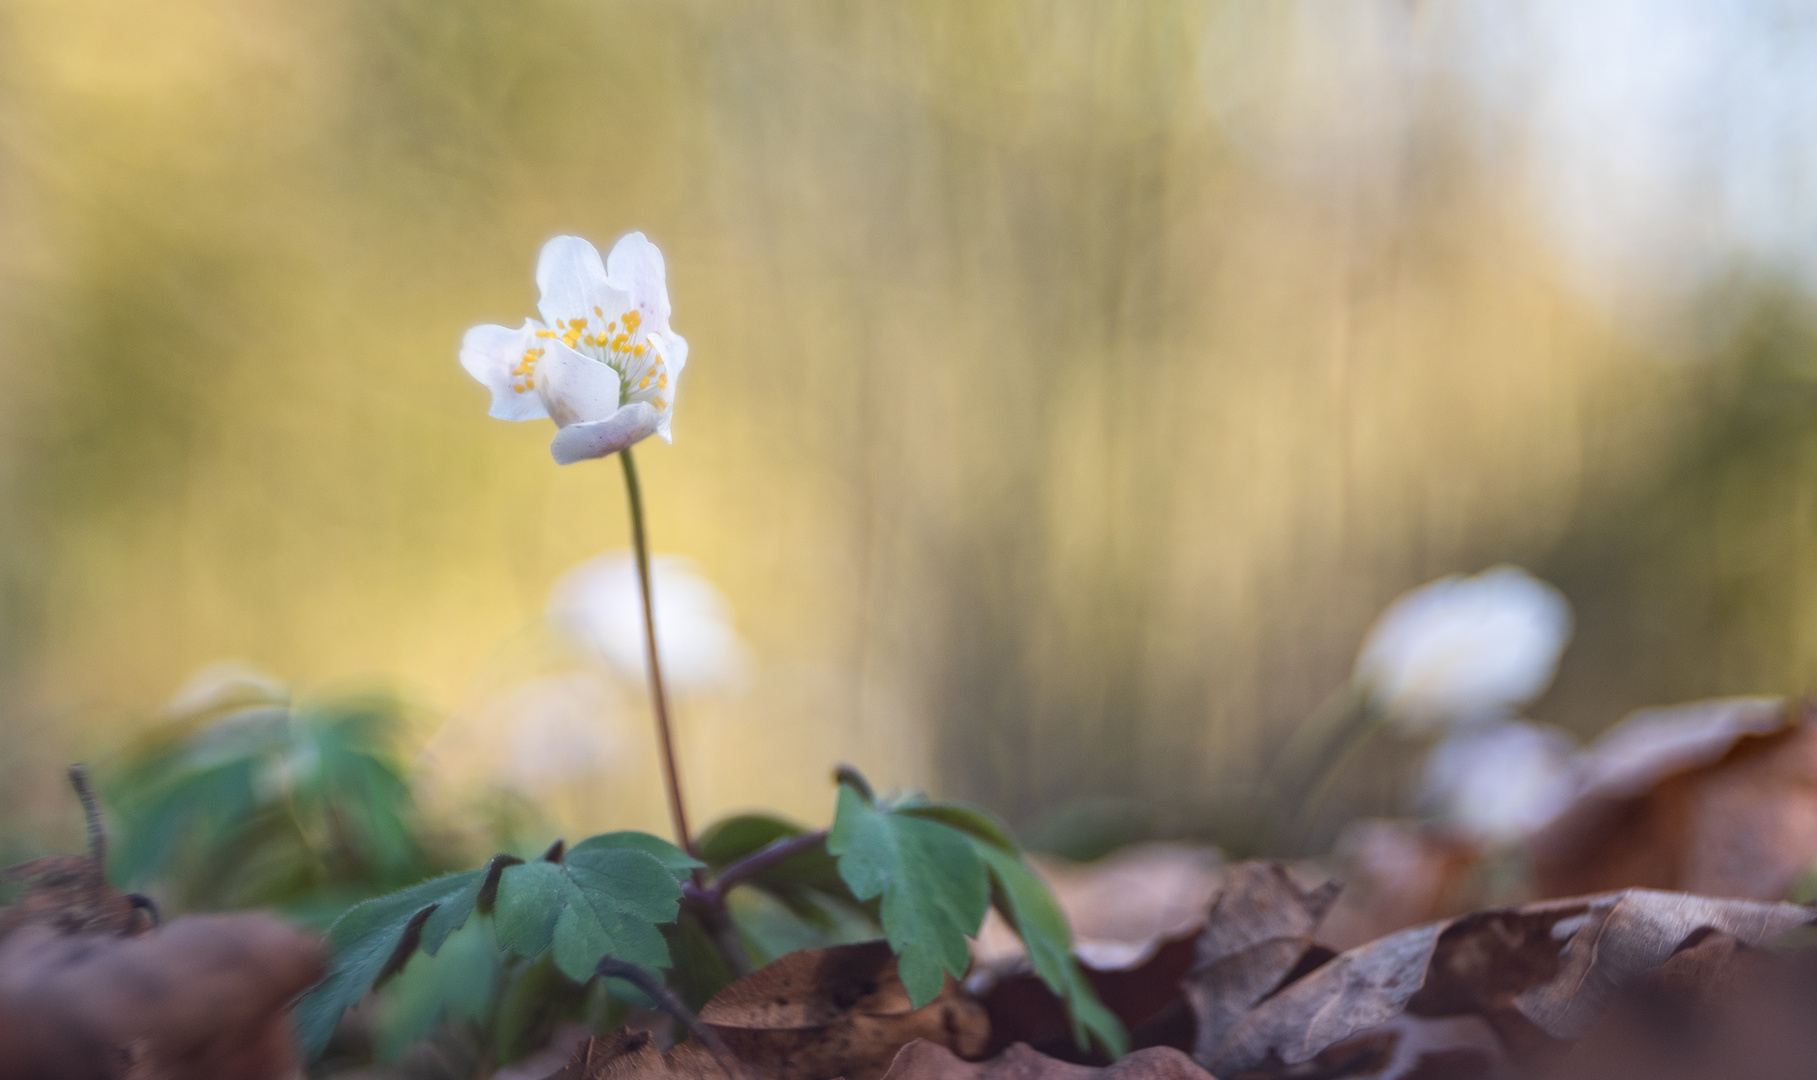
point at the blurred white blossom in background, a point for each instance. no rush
(598, 604)
(1464, 648)
(557, 728)
(1502, 779)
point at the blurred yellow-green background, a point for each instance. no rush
(1070, 385)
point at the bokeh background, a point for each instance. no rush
(1071, 384)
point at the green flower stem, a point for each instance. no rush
(659, 701)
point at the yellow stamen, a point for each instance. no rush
(633, 320)
(662, 383)
(619, 342)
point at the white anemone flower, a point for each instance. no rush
(600, 604)
(1462, 648)
(602, 363)
(1503, 780)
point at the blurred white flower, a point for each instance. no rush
(602, 363)
(1501, 780)
(600, 605)
(558, 728)
(1463, 648)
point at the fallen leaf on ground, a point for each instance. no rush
(842, 1011)
(1538, 974)
(1716, 798)
(202, 998)
(1715, 1010)
(634, 1055)
(1258, 933)
(923, 1060)
(1145, 997)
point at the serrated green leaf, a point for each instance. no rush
(457, 985)
(602, 899)
(1033, 913)
(368, 938)
(677, 862)
(932, 881)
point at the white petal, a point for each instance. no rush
(674, 349)
(573, 282)
(490, 353)
(598, 438)
(635, 267)
(575, 389)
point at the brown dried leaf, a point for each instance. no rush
(842, 1011)
(1538, 974)
(634, 1055)
(1715, 1010)
(1145, 997)
(70, 893)
(201, 998)
(1257, 935)
(923, 1060)
(1717, 798)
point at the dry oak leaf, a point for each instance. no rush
(923, 1060)
(1538, 974)
(843, 1011)
(201, 998)
(634, 1055)
(1258, 933)
(1717, 798)
(1717, 1009)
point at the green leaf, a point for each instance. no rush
(729, 839)
(932, 881)
(1023, 899)
(968, 820)
(459, 984)
(376, 938)
(605, 898)
(677, 862)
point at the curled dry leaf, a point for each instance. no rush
(1539, 975)
(1717, 1009)
(202, 998)
(1717, 798)
(634, 1055)
(843, 1011)
(1258, 934)
(923, 1060)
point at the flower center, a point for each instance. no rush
(622, 345)
(523, 376)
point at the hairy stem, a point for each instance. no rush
(659, 701)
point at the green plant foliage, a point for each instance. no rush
(1015, 889)
(249, 799)
(1033, 913)
(932, 882)
(375, 938)
(606, 897)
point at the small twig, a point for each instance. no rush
(91, 808)
(613, 968)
